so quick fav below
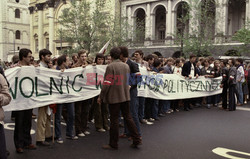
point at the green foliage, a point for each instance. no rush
(242, 35)
(88, 27)
(232, 53)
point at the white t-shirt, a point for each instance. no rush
(177, 70)
(192, 70)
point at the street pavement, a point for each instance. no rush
(181, 135)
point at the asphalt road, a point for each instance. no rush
(183, 135)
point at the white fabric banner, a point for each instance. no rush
(32, 87)
(173, 86)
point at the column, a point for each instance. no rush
(32, 41)
(129, 22)
(169, 21)
(40, 25)
(148, 26)
(152, 17)
(221, 21)
(51, 27)
(247, 14)
(173, 22)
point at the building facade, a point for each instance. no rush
(159, 20)
(14, 24)
(44, 26)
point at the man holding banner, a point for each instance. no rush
(23, 120)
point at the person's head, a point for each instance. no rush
(198, 63)
(75, 57)
(115, 53)
(157, 63)
(25, 56)
(239, 61)
(108, 59)
(210, 60)
(82, 55)
(178, 62)
(15, 59)
(205, 63)
(138, 54)
(231, 62)
(216, 63)
(170, 61)
(45, 55)
(100, 59)
(63, 61)
(124, 53)
(224, 63)
(192, 58)
(150, 59)
(50, 64)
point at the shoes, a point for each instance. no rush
(42, 143)
(197, 105)
(101, 130)
(168, 112)
(108, 147)
(143, 121)
(123, 136)
(190, 108)
(107, 128)
(86, 132)
(215, 105)
(81, 135)
(176, 110)
(49, 139)
(245, 102)
(149, 123)
(72, 137)
(185, 109)
(157, 119)
(208, 106)
(161, 115)
(151, 119)
(59, 140)
(19, 150)
(239, 104)
(30, 147)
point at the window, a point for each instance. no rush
(17, 13)
(162, 35)
(17, 1)
(18, 34)
(36, 45)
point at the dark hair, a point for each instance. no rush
(61, 59)
(124, 51)
(24, 53)
(15, 59)
(225, 61)
(233, 61)
(44, 52)
(150, 57)
(177, 61)
(140, 52)
(192, 55)
(156, 63)
(101, 56)
(115, 53)
(240, 60)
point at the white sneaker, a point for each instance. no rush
(245, 102)
(101, 130)
(81, 135)
(59, 140)
(149, 123)
(151, 119)
(72, 137)
(86, 132)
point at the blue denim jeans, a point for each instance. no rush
(164, 106)
(240, 92)
(134, 106)
(141, 107)
(70, 119)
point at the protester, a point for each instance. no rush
(240, 78)
(118, 101)
(189, 72)
(232, 85)
(245, 85)
(82, 107)
(63, 63)
(43, 120)
(101, 113)
(5, 100)
(23, 118)
(224, 82)
(248, 80)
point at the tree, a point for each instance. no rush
(196, 27)
(83, 27)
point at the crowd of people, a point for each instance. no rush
(119, 101)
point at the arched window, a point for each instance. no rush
(17, 13)
(17, 1)
(18, 34)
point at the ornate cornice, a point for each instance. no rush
(40, 6)
(51, 3)
(31, 9)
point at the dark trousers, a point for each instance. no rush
(187, 103)
(232, 93)
(23, 120)
(248, 83)
(101, 114)
(114, 123)
(3, 154)
(224, 97)
(81, 115)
